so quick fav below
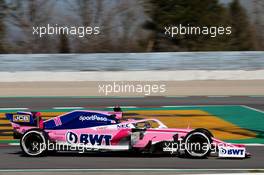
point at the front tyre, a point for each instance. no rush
(34, 143)
(197, 144)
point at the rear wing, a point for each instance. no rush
(25, 118)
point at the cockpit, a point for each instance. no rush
(148, 124)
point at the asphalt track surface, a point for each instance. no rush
(47, 103)
(11, 157)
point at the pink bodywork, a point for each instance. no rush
(155, 135)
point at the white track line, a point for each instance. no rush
(13, 109)
(67, 107)
(174, 106)
(253, 144)
(13, 144)
(254, 109)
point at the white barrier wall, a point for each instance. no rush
(32, 76)
(133, 61)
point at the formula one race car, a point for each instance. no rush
(107, 131)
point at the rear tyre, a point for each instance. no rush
(34, 143)
(197, 143)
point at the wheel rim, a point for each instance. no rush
(197, 144)
(33, 143)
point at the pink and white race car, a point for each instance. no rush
(87, 130)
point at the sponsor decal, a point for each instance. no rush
(57, 121)
(232, 152)
(71, 137)
(101, 127)
(92, 117)
(21, 118)
(123, 125)
(92, 139)
(113, 122)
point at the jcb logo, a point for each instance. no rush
(21, 118)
